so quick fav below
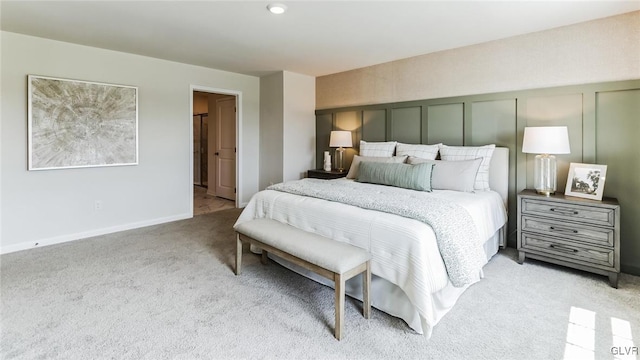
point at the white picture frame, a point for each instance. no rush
(586, 181)
(77, 124)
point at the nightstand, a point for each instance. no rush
(327, 175)
(579, 233)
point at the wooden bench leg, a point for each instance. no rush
(265, 258)
(238, 254)
(339, 284)
(366, 297)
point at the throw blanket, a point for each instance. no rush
(458, 240)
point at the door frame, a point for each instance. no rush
(238, 96)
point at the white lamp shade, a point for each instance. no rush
(546, 140)
(340, 139)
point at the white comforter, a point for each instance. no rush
(404, 251)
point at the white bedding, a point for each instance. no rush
(404, 251)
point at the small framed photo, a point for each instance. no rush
(586, 181)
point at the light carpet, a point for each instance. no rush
(169, 292)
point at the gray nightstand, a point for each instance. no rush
(579, 233)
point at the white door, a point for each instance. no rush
(225, 153)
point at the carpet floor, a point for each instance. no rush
(169, 292)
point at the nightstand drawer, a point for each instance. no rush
(579, 253)
(573, 231)
(588, 214)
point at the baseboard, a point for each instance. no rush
(87, 234)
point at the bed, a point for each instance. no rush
(410, 279)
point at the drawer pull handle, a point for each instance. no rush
(557, 229)
(562, 248)
(564, 211)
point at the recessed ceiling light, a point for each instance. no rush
(277, 8)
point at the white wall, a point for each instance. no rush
(299, 125)
(271, 129)
(287, 127)
(52, 206)
(596, 51)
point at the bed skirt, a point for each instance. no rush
(389, 298)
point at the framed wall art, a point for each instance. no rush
(75, 124)
(586, 181)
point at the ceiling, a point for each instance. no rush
(313, 37)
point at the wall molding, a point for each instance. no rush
(592, 113)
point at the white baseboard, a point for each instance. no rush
(87, 234)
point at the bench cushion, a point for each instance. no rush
(329, 254)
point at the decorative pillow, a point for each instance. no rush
(415, 177)
(454, 153)
(451, 175)
(353, 170)
(377, 149)
(418, 150)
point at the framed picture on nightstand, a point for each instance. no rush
(586, 181)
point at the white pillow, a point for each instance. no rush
(355, 164)
(456, 153)
(377, 149)
(451, 175)
(418, 150)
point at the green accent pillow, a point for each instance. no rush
(415, 177)
(451, 175)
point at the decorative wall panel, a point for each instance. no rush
(494, 122)
(445, 123)
(603, 128)
(406, 124)
(374, 125)
(617, 133)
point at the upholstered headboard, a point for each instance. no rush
(499, 173)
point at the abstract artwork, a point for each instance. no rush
(75, 124)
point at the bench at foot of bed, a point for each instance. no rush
(332, 259)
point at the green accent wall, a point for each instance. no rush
(617, 132)
(603, 121)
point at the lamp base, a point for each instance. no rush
(340, 159)
(545, 192)
(544, 174)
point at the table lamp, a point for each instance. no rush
(340, 139)
(545, 141)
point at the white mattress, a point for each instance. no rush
(404, 251)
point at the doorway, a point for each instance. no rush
(200, 146)
(214, 151)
